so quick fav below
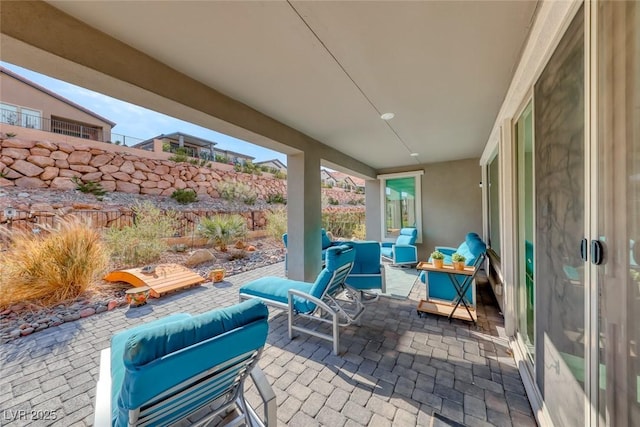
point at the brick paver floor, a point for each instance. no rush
(396, 368)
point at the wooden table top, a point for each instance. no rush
(427, 266)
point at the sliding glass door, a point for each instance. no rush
(616, 366)
(525, 295)
(559, 179)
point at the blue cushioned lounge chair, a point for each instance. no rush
(367, 273)
(328, 300)
(439, 285)
(403, 251)
(161, 372)
(326, 244)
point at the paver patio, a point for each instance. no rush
(395, 369)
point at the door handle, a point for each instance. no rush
(583, 250)
(597, 252)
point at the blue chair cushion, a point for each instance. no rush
(386, 251)
(152, 358)
(367, 258)
(277, 289)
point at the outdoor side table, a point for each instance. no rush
(459, 308)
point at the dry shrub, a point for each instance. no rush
(276, 223)
(53, 266)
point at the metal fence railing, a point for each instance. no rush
(63, 127)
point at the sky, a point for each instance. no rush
(138, 122)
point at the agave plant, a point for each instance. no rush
(221, 230)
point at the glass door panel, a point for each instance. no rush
(559, 110)
(525, 293)
(617, 367)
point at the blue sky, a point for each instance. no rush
(139, 122)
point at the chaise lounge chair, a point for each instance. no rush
(164, 371)
(329, 300)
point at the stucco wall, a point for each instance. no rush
(451, 203)
(15, 92)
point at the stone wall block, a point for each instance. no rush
(154, 191)
(4, 182)
(62, 164)
(139, 175)
(100, 160)
(141, 166)
(109, 169)
(162, 169)
(107, 177)
(62, 183)
(121, 176)
(149, 184)
(7, 160)
(117, 161)
(26, 168)
(168, 178)
(68, 173)
(39, 151)
(51, 146)
(92, 176)
(108, 185)
(127, 187)
(83, 168)
(17, 143)
(29, 182)
(59, 155)
(128, 167)
(163, 184)
(67, 148)
(16, 153)
(49, 173)
(180, 184)
(153, 177)
(136, 181)
(41, 161)
(79, 158)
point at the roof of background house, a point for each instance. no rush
(274, 161)
(339, 176)
(200, 142)
(55, 95)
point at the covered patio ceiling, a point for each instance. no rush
(330, 69)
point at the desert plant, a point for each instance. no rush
(90, 187)
(342, 224)
(437, 255)
(11, 135)
(142, 242)
(47, 268)
(278, 174)
(221, 230)
(231, 190)
(180, 155)
(184, 196)
(221, 159)
(360, 232)
(333, 201)
(276, 222)
(276, 198)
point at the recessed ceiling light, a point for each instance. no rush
(414, 154)
(387, 116)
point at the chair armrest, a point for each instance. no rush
(102, 414)
(447, 250)
(300, 294)
(268, 396)
(387, 244)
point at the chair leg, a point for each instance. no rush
(336, 334)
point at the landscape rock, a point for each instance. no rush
(198, 257)
(26, 168)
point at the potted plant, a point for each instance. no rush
(437, 259)
(458, 261)
(217, 274)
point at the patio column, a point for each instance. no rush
(373, 209)
(304, 217)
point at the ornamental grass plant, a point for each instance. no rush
(57, 264)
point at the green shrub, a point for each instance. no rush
(333, 201)
(221, 159)
(360, 232)
(232, 190)
(180, 155)
(89, 187)
(221, 230)
(278, 174)
(276, 222)
(185, 196)
(342, 224)
(142, 242)
(276, 198)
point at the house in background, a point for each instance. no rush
(193, 146)
(273, 164)
(27, 104)
(341, 180)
